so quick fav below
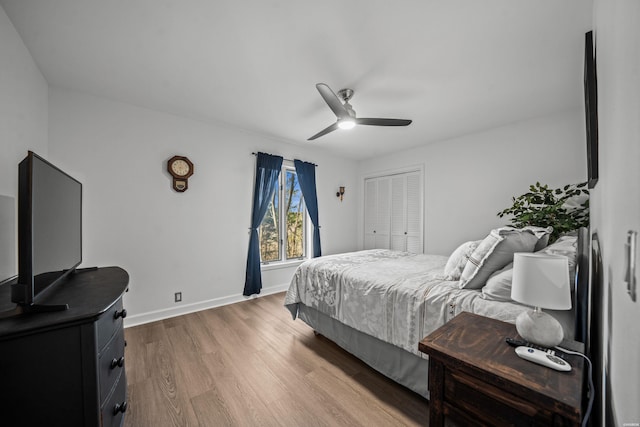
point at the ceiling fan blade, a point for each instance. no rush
(332, 100)
(383, 122)
(324, 131)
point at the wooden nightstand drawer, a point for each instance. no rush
(489, 404)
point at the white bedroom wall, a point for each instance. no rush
(23, 127)
(471, 178)
(616, 198)
(194, 242)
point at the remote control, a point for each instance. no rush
(543, 358)
(517, 343)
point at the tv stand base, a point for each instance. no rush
(43, 308)
(35, 308)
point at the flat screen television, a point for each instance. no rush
(591, 109)
(49, 231)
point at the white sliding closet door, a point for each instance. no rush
(406, 213)
(377, 216)
(393, 212)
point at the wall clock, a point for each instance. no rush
(180, 169)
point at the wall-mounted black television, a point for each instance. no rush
(591, 109)
(49, 231)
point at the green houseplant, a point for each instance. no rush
(564, 209)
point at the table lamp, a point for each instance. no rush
(541, 281)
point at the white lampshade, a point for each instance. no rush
(541, 281)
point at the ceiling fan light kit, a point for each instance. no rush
(346, 115)
(346, 123)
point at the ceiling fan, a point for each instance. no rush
(340, 106)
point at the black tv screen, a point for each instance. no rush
(591, 109)
(49, 228)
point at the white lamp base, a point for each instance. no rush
(539, 328)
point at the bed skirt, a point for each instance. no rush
(401, 366)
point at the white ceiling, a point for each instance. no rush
(452, 66)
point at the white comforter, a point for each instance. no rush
(397, 297)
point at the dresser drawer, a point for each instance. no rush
(109, 322)
(112, 412)
(111, 364)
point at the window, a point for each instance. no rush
(283, 231)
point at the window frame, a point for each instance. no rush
(284, 262)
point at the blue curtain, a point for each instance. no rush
(267, 170)
(307, 179)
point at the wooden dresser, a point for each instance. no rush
(476, 379)
(66, 368)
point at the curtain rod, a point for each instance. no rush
(289, 160)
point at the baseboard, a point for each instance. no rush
(153, 316)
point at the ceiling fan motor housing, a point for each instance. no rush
(345, 94)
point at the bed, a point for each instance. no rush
(378, 304)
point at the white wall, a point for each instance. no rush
(23, 127)
(194, 242)
(616, 198)
(469, 179)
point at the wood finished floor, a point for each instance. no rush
(249, 364)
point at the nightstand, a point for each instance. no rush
(475, 378)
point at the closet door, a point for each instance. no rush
(377, 213)
(370, 212)
(413, 213)
(406, 212)
(398, 209)
(393, 212)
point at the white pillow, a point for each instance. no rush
(542, 233)
(458, 259)
(493, 253)
(498, 287)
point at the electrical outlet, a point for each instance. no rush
(178, 296)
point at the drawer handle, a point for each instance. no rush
(117, 363)
(122, 313)
(120, 407)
